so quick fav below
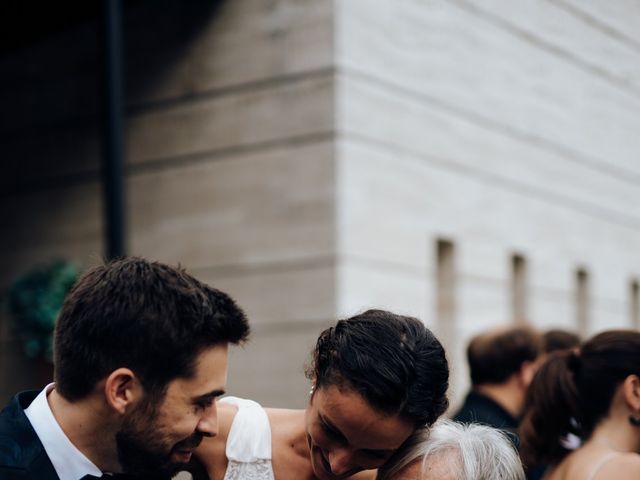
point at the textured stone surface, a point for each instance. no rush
(307, 156)
(506, 129)
(230, 153)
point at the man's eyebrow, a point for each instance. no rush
(209, 396)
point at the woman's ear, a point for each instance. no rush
(122, 389)
(631, 393)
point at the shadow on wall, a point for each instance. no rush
(50, 188)
(50, 90)
(51, 77)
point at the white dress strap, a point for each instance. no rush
(248, 447)
(601, 463)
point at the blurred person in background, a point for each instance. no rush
(455, 451)
(140, 358)
(558, 339)
(595, 393)
(376, 378)
(502, 363)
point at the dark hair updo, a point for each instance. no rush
(395, 362)
(573, 391)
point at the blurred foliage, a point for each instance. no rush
(34, 301)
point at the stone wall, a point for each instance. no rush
(230, 166)
(309, 157)
(504, 128)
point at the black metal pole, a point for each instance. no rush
(113, 153)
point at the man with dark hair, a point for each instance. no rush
(502, 364)
(558, 339)
(140, 358)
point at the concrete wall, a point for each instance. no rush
(307, 156)
(230, 166)
(503, 127)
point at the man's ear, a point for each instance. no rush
(122, 390)
(527, 371)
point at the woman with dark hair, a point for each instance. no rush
(375, 379)
(594, 393)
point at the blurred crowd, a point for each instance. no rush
(570, 410)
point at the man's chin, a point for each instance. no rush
(152, 466)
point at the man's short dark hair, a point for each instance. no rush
(395, 362)
(558, 339)
(146, 316)
(496, 355)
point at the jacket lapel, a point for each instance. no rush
(22, 455)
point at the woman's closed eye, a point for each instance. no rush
(332, 432)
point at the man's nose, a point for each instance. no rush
(208, 424)
(340, 460)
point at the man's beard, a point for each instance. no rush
(142, 448)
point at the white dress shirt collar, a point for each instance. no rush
(69, 462)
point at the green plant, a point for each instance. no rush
(34, 301)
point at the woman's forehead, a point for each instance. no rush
(363, 426)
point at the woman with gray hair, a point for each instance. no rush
(453, 451)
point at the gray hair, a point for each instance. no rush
(472, 452)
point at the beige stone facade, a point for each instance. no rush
(316, 158)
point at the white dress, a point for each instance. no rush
(249, 442)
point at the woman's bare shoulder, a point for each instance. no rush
(285, 421)
(624, 466)
(287, 432)
(290, 451)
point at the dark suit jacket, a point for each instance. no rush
(22, 456)
(478, 408)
